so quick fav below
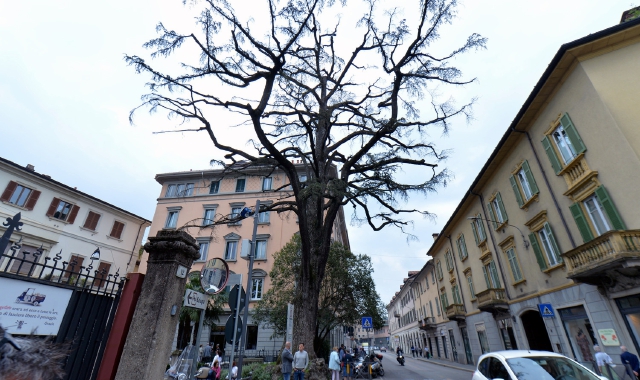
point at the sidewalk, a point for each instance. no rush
(446, 363)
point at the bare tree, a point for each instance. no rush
(351, 120)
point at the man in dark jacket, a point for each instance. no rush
(347, 364)
(629, 358)
(287, 360)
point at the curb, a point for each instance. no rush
(446, 365)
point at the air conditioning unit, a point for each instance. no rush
(245, 249)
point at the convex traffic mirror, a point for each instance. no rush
(214, 276)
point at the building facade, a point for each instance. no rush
(543, 250)
(66, 223)
(193, 200)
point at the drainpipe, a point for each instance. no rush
(493, 243)
(135, 245)
(546, 181)
(455, 265)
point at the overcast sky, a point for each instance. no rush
(66, 93)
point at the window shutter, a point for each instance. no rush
(552, 240)
(536, 250)
(73, 214)
(116, 231)
(516, 190)
(610, 208)
(53, 206)
(464, 245)
(486, 277)
(475, 231)
(92, 221)
(494, 274)
(572, 133)
(581, 221)
(492, 215)
(484, 232)
(555, 163)
(503, 211)
(532, 182)
(6, 195)
(33, 198)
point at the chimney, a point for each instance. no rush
(435, 236)
(31, 168)
(629, 15)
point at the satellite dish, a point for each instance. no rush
(214, 276)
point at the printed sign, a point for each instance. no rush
(546, 310)
(195, 299)
(367, 322)
(182, 272)
(289, 322)
(32, 308)
(609, 337)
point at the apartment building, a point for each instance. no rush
(67, 223)
(542, 251)
(403, 316)
(196, 199)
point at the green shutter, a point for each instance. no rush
(555, 163)
(494, 274)
(581, 221)
(516, 190)
(532, 182)
(536, 249)
(475, 231)
(572, 133)
(503, 211)
(459, 249)
(552, 240)
(486, 277)
(464, 245)
(610, 208)
(484, 232)
(492, 215)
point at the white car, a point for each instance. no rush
(532, 365)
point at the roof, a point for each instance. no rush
(47, 178)
(561, 61)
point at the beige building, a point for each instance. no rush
(543, 250)
(195, 199)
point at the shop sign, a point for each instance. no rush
(32, 308)
(609, 337)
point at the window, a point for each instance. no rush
(514, 264)
(230, 250)
(116, 230)
(603, 215)
(256, 288)
(263, 217)
(204, 250)
(549, 247)
(523, 184)
(478, 229)
(74, 267)
(25, 259)
(491, 275)
(448, 258)
(433, 278)
(437, 306)
(443, 299)
(455, 292)
(214, 188)
(564, 141)
(235, 213)
(261, 250)
(497, 211)
(61, 210)
(462, 248)
(209, 214)
(91, 223)
(102, 275)
(266, 183)
(179, 190)
(20, 195)
(426, 280)
(439, 270)
(545, 247)
(472, 290)
(172, 220)
(240, 183)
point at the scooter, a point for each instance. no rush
(400, 358)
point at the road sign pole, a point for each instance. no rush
(235, 325)
(243, 338)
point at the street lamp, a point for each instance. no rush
(96, 254)
(526, 243)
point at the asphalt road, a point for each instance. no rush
(414, 369)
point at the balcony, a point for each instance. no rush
(455, 312)
(428, 323)
(611, 260)
(492, 300)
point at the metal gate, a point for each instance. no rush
(87, 320)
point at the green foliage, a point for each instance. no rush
(259, 371)
(347, 292)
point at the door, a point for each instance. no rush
(536, 331)
(467, 346)
(454, 351)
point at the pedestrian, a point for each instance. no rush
(233, 374)
(601, 358)
(426, 352)
(413, 351)
(217, 358)
(341, 352)
(206, 353)
(418, 351)
(200, 353)
(214, 372)
(347, 363)
(287, 360)
(631, 359)
(300, 362)
(334, 364)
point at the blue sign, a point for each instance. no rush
(546, 310)
(367, 322)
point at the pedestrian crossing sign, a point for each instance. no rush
(367, 322)
(546, 310)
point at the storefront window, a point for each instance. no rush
(482, 337)
(579, 332)
(630, 309)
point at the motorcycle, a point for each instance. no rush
(361, 367)
(400, 358)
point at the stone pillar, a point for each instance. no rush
(148, 346)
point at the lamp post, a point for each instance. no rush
(526, 243)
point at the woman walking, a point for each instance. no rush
(334, 364)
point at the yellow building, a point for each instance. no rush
(543, 250)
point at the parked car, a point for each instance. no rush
(383, 349)
(532, 365)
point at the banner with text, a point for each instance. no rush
(29, 307)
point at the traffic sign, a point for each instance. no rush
(233, 298)
(195, 299)
(546, 310)
(367, 322)
(228, 329)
